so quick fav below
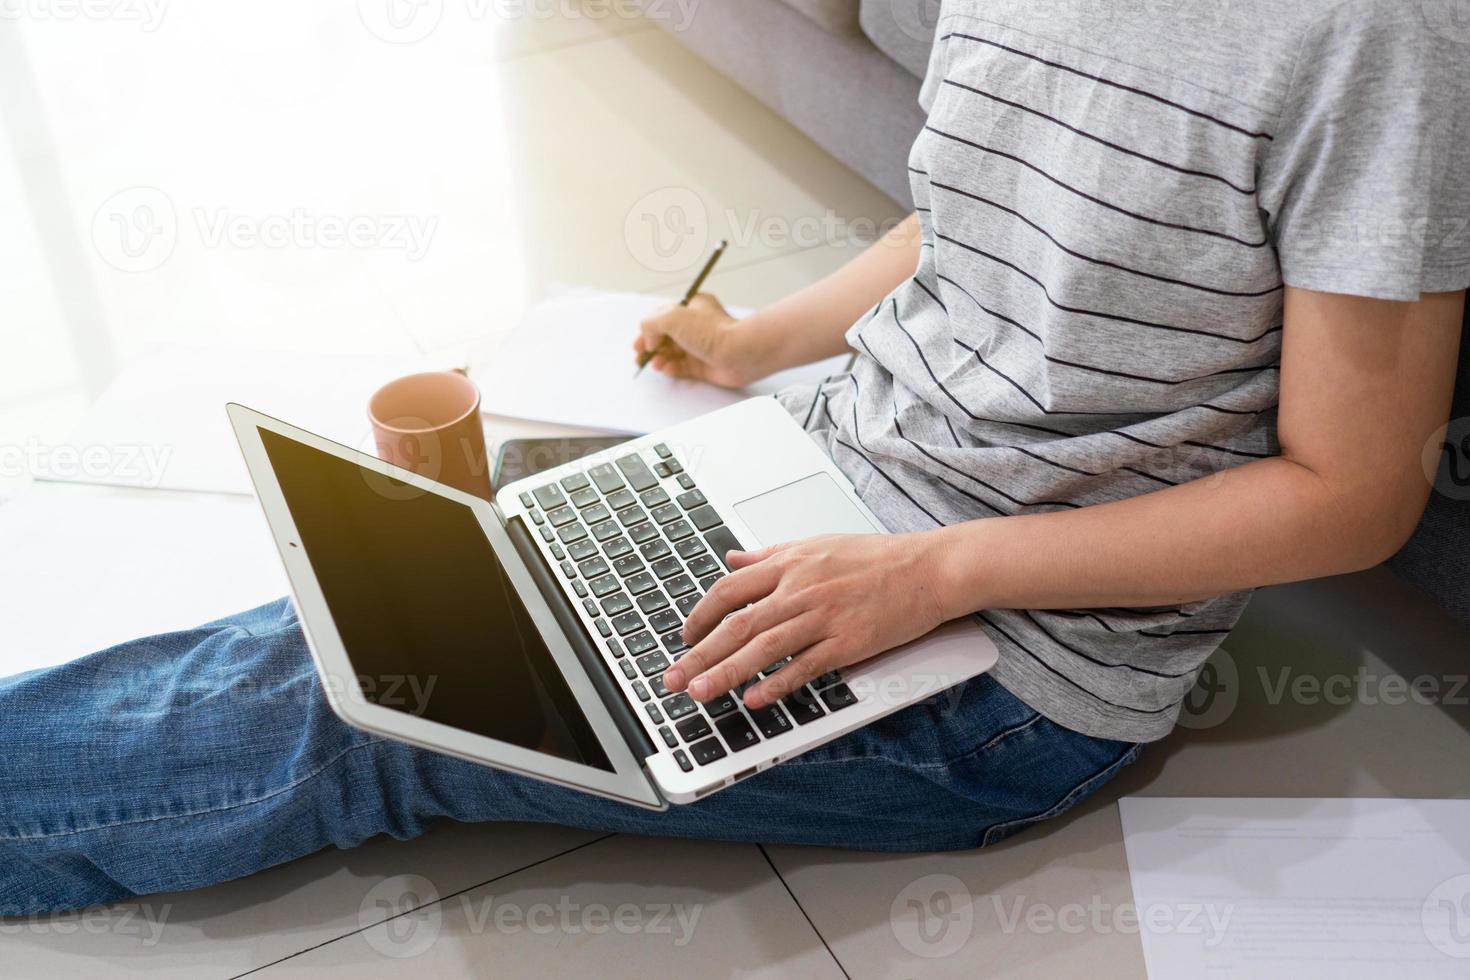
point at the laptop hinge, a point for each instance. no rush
(598, 670)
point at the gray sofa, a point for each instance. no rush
(847, 73)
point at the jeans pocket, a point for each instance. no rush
(1080, 789)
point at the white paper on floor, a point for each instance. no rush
(162, 423)
(570, 361)
(1335, 889)
(88, 567)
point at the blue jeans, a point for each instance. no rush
(196, 757)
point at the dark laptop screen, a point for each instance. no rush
(430, 622)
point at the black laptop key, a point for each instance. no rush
(642, 532)
(660, 689)
(584, 498)
(617, 548)
(722, 704)
(640, 690)
(572, 532)
(614, 649)
(826, 680)
(568, 569)
(654, 497)
(619, 499)
(591, 607)
(737, 731)
(662, 451)
(710, 750)
(654, 713)
(693, 727)
(527, 500)
(636, 471)
(665, 567)
(628, 565)
(674, 642)
(654, 550)
(679, 585)
(687, 603)
(678, 706)
(558, 552)
(703, 565)
(628, 669)
(682, 758)
(582, 550)
(602, 627)
(605, 531)
(580, 587)
(651, 663)
(641, 643)
(673, 465)
(629, 516)
(686, 481)
(771, 720)
(537, 516)
(546, 534)
(617, 604)
(596, 514)
(604, 586)
(641, 583)
(593, 567)
(662, 468)
(666, 513)
(691, 499)
(605, 477)
(669, 738)
(689, 547)
(803, 705)
(705, 517)
(573, 483)
(837, 697)
(708, 582)
(721, 541)
(678, 531)
(652, 602)
(664, 620)
(550, 496)
(628, 622)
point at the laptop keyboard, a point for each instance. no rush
(638, 545)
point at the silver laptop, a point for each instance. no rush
(531, 634)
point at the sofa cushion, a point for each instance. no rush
(837, 16)
(902, 29)
(1434, 558)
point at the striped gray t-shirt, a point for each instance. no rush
(1111, 197)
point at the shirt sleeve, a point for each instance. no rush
(934, 74)
(1366, 184)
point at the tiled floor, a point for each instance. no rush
(538, 150)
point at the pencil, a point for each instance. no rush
(689, 294)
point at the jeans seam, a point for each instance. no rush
(1066, 801)
(198, 813)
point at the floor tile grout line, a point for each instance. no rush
(782, 878)
(442, 898)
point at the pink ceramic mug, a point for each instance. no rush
(430, 423)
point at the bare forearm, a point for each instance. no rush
(1266, 522)
(809, 325)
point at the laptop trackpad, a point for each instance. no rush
(810, 506)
